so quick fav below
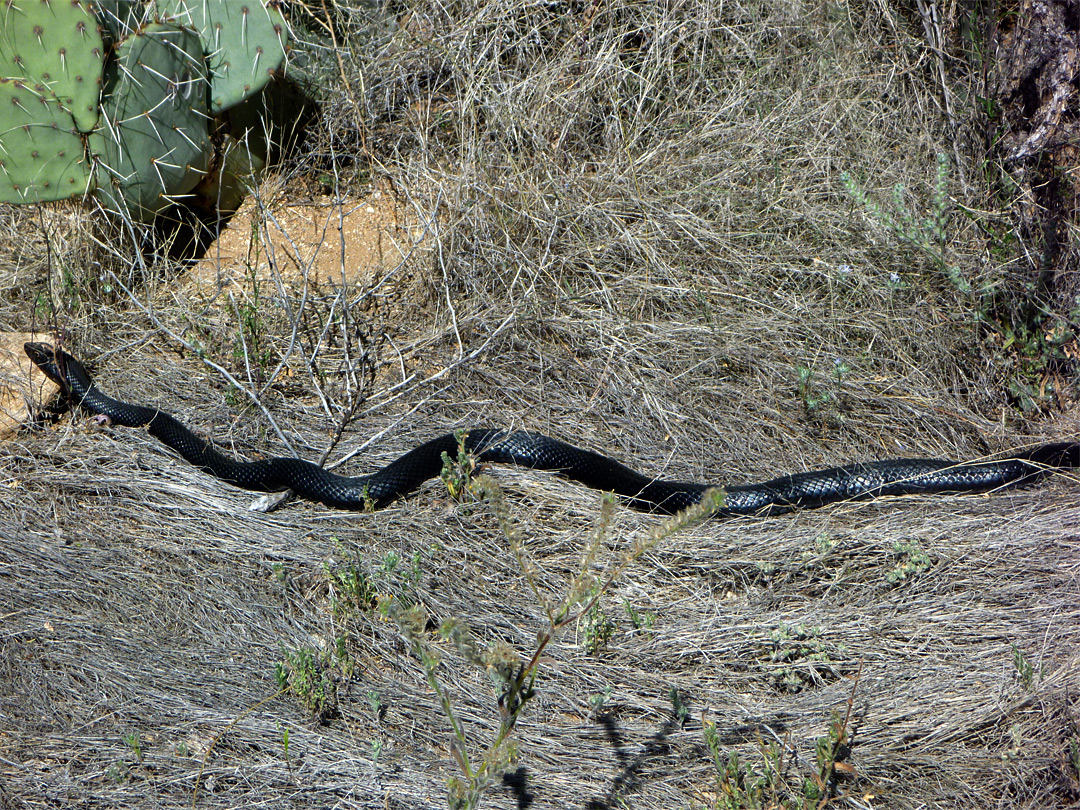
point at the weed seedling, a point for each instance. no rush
(913, 561)
(816, 397)
(638, 621)
(134, 743)
(598, 629)
(457, 474)
(1024, 668)
(598, 702)
(678, 706)
(375, 702)
(285, 746)
(305, 673)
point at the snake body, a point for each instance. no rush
(539, 452)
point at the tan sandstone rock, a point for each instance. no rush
(324, 243)
(22, 384)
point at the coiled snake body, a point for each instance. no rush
(539, 452)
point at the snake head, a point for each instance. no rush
(44, 357)
(60, 367)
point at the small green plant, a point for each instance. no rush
(305, 673)
(69, 290)
(415, 571)
(1013, 751)
(815, 396)
(357, 586)
(1074, 756)
(840, 368)
(678, 706)
(121, 771)
(742, 787)
(351, 588)
(824, 543)
(1037, 343)
(134, 744)
(829, 751)
(250, 348)
(343, 658)
(457, 474)
(375, 702)
(799, 657)
(598, 701)
(774, 784)
(810, 398)
(285, 744)
(1024, 668)
(913, 561)
(598, 629)
(927, 235)
(639, 622)
(390, 562)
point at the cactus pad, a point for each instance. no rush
(55, 44)
(244, 40)
(153, 143)
(41, 153)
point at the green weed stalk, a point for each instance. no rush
(927, 235)
(516, 678)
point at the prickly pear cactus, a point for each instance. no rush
(115, 97)
(54, 45)
(41, 153)
(153, 143)
(244, 40)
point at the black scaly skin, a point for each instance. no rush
(538, 452)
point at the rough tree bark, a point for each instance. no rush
(1034, 82)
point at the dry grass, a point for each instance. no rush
(641, 237)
